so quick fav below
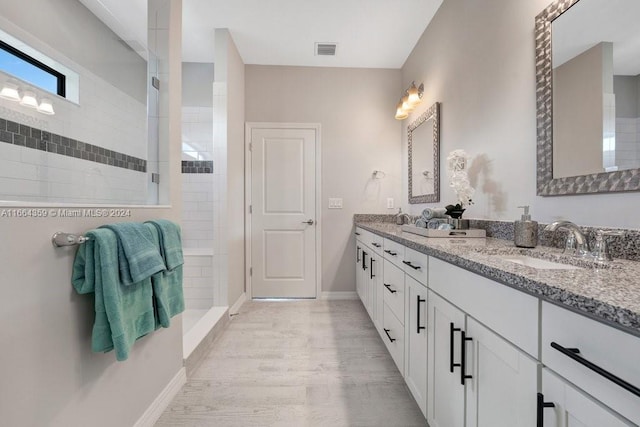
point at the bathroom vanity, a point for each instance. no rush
(487, 334)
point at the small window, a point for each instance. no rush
(29, 69)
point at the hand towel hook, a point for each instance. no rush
(61, 239)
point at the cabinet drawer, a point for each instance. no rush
(393, 337)
(394, 252)
(416, 265)
(373, 241)
(510, 313)
(393, 289)
(610, 349)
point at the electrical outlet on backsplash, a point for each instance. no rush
(626, 246)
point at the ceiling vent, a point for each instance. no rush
(326, 49)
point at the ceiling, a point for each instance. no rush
(369, 33)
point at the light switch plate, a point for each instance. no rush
(335, 203)
(390, 203)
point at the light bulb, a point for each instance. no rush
(406, 106)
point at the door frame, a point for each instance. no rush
(249, 126)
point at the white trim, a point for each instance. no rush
(235, 308)
(158, 406)
(318, 214)
(338, 295)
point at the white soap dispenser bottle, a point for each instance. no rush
(525, 233)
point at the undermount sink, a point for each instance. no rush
(541, 264)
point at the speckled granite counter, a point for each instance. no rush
(610, 295)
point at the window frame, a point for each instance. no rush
(61, 79)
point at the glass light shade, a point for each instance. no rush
(400, 113)
(405, 104)
(10, 92)
(46, 107)
(29, 99)
(413, 97)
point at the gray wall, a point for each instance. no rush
(627, 90)
(477, 58)
(579, 87)
(50, 377)
(355, 108)
(197, 84)
(70, 28)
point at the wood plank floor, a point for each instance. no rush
(296, 363)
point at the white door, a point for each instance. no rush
(415, 352)
(283, 218)
(502, 390)
(572, 408)
(445, 392)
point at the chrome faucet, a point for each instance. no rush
(577, 236)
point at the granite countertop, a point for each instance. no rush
(610, 295)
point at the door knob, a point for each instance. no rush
(310, 222)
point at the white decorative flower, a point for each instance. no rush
(458, 179)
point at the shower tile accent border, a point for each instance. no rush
(38, 139)
(620, 247)
(197, 166)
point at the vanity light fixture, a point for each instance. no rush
(11, 91)
(411, 98)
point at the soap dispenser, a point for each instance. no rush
(525, 233)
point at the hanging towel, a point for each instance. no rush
(167, 285)
(123, 312)
(431, 213)
(170, 242)
(138, 256)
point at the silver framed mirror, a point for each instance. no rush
(423, 136)
(572, 159)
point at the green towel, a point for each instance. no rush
(124, 313)
(138, 255)
(170, 242)
(167, 284)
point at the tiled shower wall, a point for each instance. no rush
(197, 183)
(628, 142)
(107, 119)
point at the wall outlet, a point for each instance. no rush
(335, 203)
(390, 203)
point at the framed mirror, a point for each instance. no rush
(424, 157)
(588, 97)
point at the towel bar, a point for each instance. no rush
(60, 239)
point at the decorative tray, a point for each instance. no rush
(430, 232)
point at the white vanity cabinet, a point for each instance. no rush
(415, 353)
(572, 343)
(368, 271)
(572, 407)
(473, 373)
(478, 353)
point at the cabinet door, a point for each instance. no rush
(361, 278)
(502, 386)
(445, 394)
(415, 352)
(572, 408)
(373, 278)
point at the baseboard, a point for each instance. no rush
(338, 295)
(158, 406)
(236, 305)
